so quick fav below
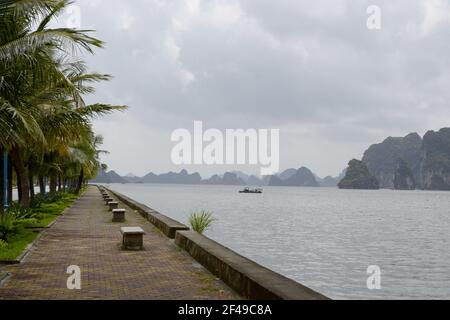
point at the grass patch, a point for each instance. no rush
(48, 212)
(45, 213)
(17, 244)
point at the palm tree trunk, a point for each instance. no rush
(2, 184)
(53, 183)
(10, 181)
(59, 183)
(31, 177)
(80, 181)
(18, 185)
(23, 181)
(41, 185)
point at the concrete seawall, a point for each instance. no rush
(245, 276)
(167, 225)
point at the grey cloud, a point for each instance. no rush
(286, 64)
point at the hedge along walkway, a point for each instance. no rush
(86, 237)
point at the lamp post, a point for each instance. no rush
(5, 177)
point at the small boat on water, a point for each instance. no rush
(248, 190)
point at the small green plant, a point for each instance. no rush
(21, 213)
(16, 226)
(201, 221)
(8, 226)
(3, 244)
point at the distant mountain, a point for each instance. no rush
(215, 179)
(265, 180)
(412, 162)
(229, 179)
(131, 178)
(183, 177)
(331, 182)
(404, 177)
(275, 181)
(405, 163)
(302, 177)
(250, 180)
(241, 175)
(235, 178)
(383, 158)
(436, 162)
(286, 174)
(255, 181)
(150, 178)
(108, 177)
(358, 177)
(290, 177)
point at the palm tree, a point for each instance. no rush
(44, 123)
(64, 121)
(27, 57)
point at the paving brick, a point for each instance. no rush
(86, 236)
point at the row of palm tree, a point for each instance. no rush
(45, 125)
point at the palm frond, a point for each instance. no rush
(62, 38)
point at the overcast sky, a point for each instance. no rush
(310, 68)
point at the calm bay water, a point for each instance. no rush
(326, 238)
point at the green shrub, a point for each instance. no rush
(201, 221)
(40, 200)
(21, 213)
(32, 222)
(37, 201)
(15, 225)
(3, 244)
(8, 226)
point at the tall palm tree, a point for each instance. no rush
(26, 50)
(44, 122)
(64, 120)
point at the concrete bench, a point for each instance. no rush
(113, 205)
(167, 225)
(119, 215)
(108, 200)
(132, 238)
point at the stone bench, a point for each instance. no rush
(132, 238)
(119, 215)
(113, 205)
(167, 225)
(108, 200)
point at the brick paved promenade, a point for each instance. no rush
(86, 237)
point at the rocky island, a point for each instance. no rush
(410, 162)
(358, 177)
(403, 177)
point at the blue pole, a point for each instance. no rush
(5, 180)
(45, 185)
